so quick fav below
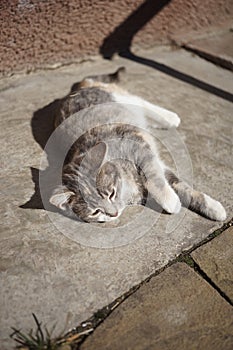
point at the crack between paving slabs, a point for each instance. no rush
(192, 263)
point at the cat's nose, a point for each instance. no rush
(113, 215)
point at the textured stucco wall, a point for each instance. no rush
(35, 33)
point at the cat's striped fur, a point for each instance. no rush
(115, 162)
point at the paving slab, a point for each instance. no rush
(44, 269)
(174, 310)
(217, 47)
(216, 260)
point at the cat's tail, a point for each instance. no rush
(197, 201)
(102, 78)
(109, 78)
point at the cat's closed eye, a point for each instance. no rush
(112, 194)
(96, 212)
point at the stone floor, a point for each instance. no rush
(64, 272)
(177, 309)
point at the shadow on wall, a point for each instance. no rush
(120, 40)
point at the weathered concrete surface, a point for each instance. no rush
(216, 260)
(174, 310)
(43, 271)
(217, 48)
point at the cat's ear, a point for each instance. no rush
(95, 155)
(61, 197)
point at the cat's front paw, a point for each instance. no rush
(172, 204)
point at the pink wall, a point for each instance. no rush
(36, 33)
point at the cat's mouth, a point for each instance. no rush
(108, 218)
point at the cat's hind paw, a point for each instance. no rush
(214, 209)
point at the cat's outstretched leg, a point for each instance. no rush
(195, 200)
(161, 117)
(164, 195)
(159, 189)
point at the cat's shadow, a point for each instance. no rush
(42, 126)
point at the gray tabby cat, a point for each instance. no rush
(115, 162)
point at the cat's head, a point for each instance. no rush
(95, 191)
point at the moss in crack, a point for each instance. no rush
(186, 258)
